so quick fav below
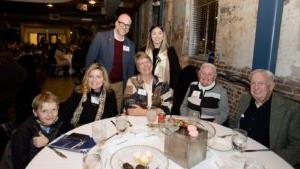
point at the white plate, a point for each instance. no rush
(220, 144)
(211, 131)
(126, 155)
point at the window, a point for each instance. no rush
(33, 38)
(203, 27)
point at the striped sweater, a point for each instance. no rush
(209, 100)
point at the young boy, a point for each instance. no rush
(37, 131)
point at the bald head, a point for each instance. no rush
(125, 17)
(122, 26)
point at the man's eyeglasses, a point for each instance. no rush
(124, 25)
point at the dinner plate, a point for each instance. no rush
(128, 155)
(220, 144)
(211, 131)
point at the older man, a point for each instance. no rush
(116, 53)
(206, 97)
(269, 118)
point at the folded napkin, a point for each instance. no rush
(74, 142)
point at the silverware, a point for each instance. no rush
(58, 152)
(78, 144)
(257, 150)
(113, 123)
(111, 136)
(226, 135)
(130, 124)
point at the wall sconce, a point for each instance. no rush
(156, 3)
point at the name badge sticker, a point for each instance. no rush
(95, 100)
(142, 92)
(126, 48)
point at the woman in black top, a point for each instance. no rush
(165, 60)
(92, 100)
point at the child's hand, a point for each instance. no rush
(40, 140)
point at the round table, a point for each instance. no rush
(138, 134)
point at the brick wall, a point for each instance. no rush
(235, 81)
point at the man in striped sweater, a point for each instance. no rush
(205, 98)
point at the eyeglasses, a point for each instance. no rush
(124, 25)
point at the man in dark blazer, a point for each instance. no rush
(115, 52)
(269, 118)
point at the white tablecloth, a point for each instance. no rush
(139, 135)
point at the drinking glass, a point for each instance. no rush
(99, 134)
(239, 140)
(121, 123)
(170, 127)
(151, 116)
(91, 161)
(193, 117)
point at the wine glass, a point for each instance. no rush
(99, 134)
(91, 161)
(239, 140)
(121, 123)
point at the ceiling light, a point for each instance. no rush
(49, 5)
(92, 2)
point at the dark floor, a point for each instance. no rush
(61, 86)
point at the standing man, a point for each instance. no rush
(115, 52)
(269, 118)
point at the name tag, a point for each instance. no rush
(95, 100)
(126, 48)
(194, 100)
(196, 94)
(142, 92)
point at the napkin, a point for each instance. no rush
(74, 142)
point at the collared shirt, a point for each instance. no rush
(256, 121)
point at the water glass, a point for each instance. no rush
(193, 117)
(151, 116)
(91, 161)
(239, 140)
(121, 123)
(99, 134)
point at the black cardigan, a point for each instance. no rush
(22, 148)
(89, 109)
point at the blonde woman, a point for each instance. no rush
(146, 91)
(93, 100)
